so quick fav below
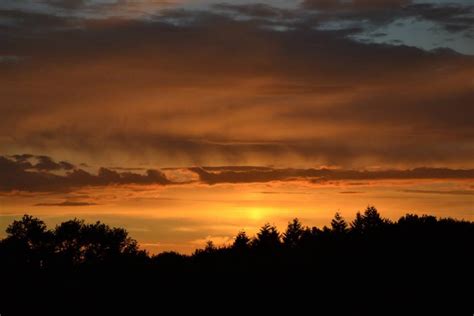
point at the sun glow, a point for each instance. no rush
(255, 214)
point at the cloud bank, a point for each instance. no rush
(19, 174)
(235, 84)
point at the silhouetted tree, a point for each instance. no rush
(292, 236)
(86, 270)
(30, 230)
(210, 247)
(368, 221)
(267, 239)
(338, 224)
(413, 219)
(169, 259)
(28, 238)
(70, 244)
(100, 242)
(357, 224)
(310, 236)
(241, 241)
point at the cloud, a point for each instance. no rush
(282, 192)
(449, 192)
(426, 24)
(355, 4)
(260, 10)
(67, 4)
(237, 168)
(351, 192)
(325, 175)
(67, 203)
(20, 175)
(452, 17)
(10, 59)
(20, 21)
(45, 163)
(40, 162)
(303, 97)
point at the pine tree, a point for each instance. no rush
(370, 220)
(268, 238)
(294, 231)
(338, 224)
(241, 241)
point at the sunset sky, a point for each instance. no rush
(185, 121)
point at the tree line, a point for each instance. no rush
(424, 256)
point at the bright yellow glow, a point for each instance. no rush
(182, 218)
(255, 214)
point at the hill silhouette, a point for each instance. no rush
(370, 265)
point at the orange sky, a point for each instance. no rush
(109, 109)
(182, 217)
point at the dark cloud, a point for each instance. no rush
(22, 157)
(245, 177)
(260, 10)
(283, 192)
(324, 175)
(449, 192)
(355, 4)
(10, 59)
(351, 192)
(305, 96)
(453, 16)
(128, 168)
(67, 203)
(67, 4)
(45, 163)
(22, 176)
(40, 163)
(237, 168)
(19, 175)
(22, 22)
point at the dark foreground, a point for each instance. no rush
(414, 266)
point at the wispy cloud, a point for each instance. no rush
(320, 176)
(351, 192)
(449, 192)
(67, 203)
(282, 97)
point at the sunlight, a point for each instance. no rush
(256, 213)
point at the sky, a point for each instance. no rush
(186, 121)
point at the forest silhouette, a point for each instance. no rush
(369, 265)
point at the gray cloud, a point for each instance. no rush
(67, 203)
(452, 17)
(324, 175)
(440, 23)
(45, 163)
(10, 59)
(304, 96)
(260, 10)
(18, 175)
(68, 4)
(449, 192)
(40, 162)
(355, 4)
(351, 192)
